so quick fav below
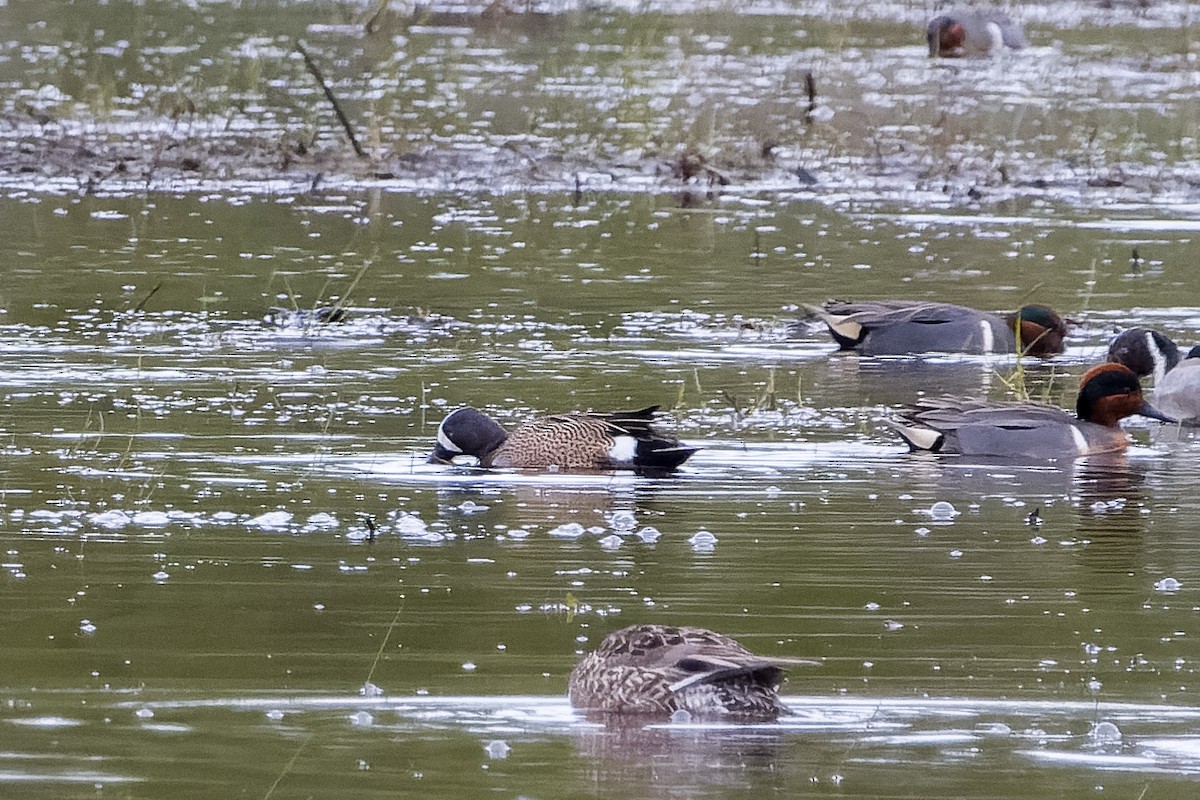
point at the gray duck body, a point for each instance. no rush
(1027, 430)
(900, 327)
(1178, 393)
(1008, 429)
(970, 32)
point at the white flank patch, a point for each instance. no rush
(444, 440)
(989, 337)
(1081, 443)
(623, 449)
(996, 36)
(845, 327)
(920, 438)
(1156, 354)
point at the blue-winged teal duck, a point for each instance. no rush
(1107, 394)
(1146, 352)
(968, 32)
(897, 327)
(584, 441)
(659, 669)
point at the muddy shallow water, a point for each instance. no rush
(619, 97)
(192, 600)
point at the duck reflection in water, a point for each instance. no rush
(1084, 483)
(1109, 502)
(628, 509)
(643, 676)
(894, 381)
(627, 758)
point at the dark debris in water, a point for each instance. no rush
(303, 318)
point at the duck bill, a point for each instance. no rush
(1147, 410)
(441, 455)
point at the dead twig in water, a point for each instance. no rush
(340, 305)
(810, 84)
(337, 107)
(373, 24)
(140, 306)
(383, 644)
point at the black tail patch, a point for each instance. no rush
(658, 456)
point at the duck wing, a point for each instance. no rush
(948, 413)
(891, 327)
(982, 428)
(873, 313)
(654, 452)
(618, 440)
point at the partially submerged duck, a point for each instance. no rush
(1145, 351)
(660, 670)
(1176, 380)
(1107, 394)
(898, 327)
(968, 32)
(580, 441)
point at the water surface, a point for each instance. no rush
(228, 568)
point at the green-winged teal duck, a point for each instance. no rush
(572, 442)
(898, 327)
(659, 670)
(1107, 394)
(969, 32)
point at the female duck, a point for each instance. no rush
(1107, 394)
(897, 327)
(659, 669)
(622, 440)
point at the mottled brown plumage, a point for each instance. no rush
(572, 442)
(659, 669)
